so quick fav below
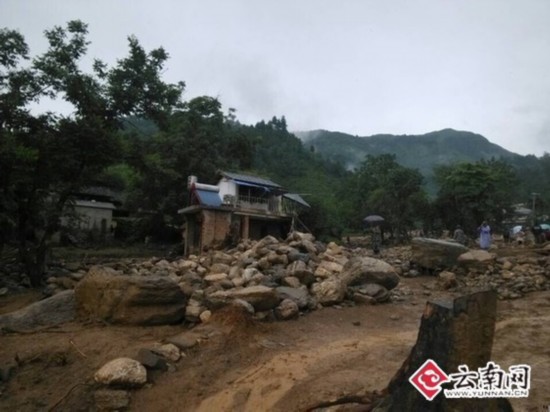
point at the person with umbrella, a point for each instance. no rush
(374, 222)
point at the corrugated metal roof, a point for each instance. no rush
(250, 179)
(208, 198)
(94, 204)
(296, 198)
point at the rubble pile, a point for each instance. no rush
(269, 278)
(511, 276)
(276, 279)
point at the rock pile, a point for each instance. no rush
(270, 278)
(275, 279)
(512, 277)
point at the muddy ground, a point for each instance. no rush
(244, 365)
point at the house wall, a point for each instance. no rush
(93, 218)
(192, 234)
(227, 187)
(215, 227)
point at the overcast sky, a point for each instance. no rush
(357, 66)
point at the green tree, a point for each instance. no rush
(385, 188)
(197, 140)
(472, 192)
(44, 158)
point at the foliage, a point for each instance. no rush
(196, 141)
(383, 187)
(44, 158)
(421, 152)
(472, 192)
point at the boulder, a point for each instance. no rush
(308, 246)
(359, 270)
(275, 258)
(215, 278)
(476, 259)
(287, 309)
(331, 266)
(184, 340)
(221, 257)
(291, 281)
(264, 243)
(193, 310)
(220, 268)
(54, 310)
(436, 254)
(143, 300)
(298, 295)
(300, 270)
(329, 291)
(447, 280)
(205, 316)
(168, 351)
(122, 372)
(151, 360)
(377, 292)
(259, 296)
(295, 255)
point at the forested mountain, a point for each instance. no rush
(421, 152)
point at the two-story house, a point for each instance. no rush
(238, 207)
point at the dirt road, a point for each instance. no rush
(248, 366)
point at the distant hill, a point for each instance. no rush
(421, 152)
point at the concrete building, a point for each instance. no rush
(238, 207)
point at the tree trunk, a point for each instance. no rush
(457, 333)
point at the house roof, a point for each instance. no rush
(94, 204)
(208, 197)
(254, 180)
(296, 198)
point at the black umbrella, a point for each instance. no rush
(373, 219)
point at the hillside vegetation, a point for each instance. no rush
(422, 152)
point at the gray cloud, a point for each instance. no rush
(361, 67)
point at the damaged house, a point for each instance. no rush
(238, 207)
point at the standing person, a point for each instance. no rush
(459, 236)
(484, 235)
(375, 238)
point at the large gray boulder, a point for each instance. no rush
(436, 254)
(133, 300)
(360, 270)
(298, 295)
(55, 310)
(259, 296)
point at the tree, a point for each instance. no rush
(472, 192)
(198, 140)
(44, 158)
(388, 189)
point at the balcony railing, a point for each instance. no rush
(266, 204)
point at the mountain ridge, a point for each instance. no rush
(422, 152)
